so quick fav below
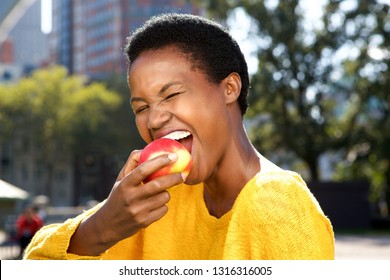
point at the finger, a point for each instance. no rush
(160, 184)
(149, 167)
(131, 163)
(150, 189)
(156, 201)
(140, 210)
(155, 208)
(156, 214)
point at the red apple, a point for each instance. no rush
(167, 146)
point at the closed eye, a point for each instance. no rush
(172, 95)
(140, 109)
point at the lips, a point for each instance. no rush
(184, 137)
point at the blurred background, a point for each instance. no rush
(319, 99)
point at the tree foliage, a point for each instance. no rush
(322, 86)
(57, 114)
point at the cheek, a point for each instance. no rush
(141, 123)
(209, 108)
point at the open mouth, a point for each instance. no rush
(183, 137)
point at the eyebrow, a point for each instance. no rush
(160, 92)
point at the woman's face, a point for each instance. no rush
(170, 98)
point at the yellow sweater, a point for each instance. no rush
(275, 217)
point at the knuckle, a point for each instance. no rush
(133, 212)
(144, 170)
(156, 185)
(142, 222)
(135, 152)
(152, 187)
(137, 217)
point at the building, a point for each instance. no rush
(88, 36)
(23, 45)
(7, 17)
(29, 42)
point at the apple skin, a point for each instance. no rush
(166, 146)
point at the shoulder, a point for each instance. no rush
(279, 177)
(280, 182)
(276, 193)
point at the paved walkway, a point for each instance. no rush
(348, 247)
(358, 247)
(8, 251)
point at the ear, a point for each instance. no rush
(232, 85)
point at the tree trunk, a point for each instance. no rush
(313, 169)
(76, 181)
(49, 181)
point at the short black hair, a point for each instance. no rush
(209, 45)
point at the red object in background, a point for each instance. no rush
(27, 224)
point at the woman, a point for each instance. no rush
(189, 81)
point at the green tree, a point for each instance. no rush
(319, 88)
(369, 157)
(57, 113)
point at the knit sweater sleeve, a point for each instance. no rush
(279, 219)
(52, 241)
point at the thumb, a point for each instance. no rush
(131, 163)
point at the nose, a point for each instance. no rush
(158, 117)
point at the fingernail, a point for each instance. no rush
(184, 176)
(172, 157)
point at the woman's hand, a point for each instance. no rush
(130, 206)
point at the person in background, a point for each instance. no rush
(189, 81)
(27, 224)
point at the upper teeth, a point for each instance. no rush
(177, 135)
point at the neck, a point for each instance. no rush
(239, 164)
